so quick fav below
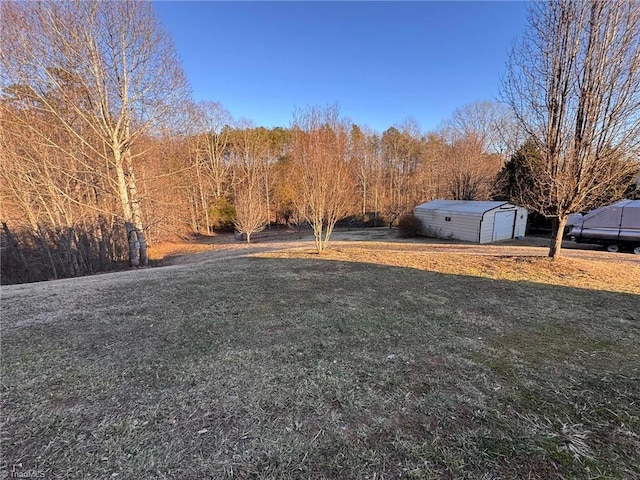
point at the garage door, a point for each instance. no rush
(503, 225)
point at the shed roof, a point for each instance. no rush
(467, 206)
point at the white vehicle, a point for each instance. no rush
(616, 226)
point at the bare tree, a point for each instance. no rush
(214, 122)
(435, 166)
(249, 212)
(366, 161)
(361, 160)
(208, 145)
(277, 148)
(106, 73)
(401, 149)
(484, 121)
(323, 186)
(470, 170)
(53, 202)
(249, 153)
(574, 87)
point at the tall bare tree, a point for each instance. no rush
(321, 176)
(401, 149)
(470, 171)
(574, 86)
(362, 163)
(106, 73)
(250, 150)
(485, 121)
(206, 141)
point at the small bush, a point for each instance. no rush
(408, 226)
(221, 215)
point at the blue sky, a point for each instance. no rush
(382, 62)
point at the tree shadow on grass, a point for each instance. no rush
(298, 368)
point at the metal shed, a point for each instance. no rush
(480, 222)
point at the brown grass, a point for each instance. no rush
(225, 365)
(165, 250)
(592, 274)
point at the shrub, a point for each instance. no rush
(222, 214)
(408, 226)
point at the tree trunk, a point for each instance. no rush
(203, 200)
(66, 242)
(42, 241)
(317, 234)
(142, 240)
(557, 233)
(375, 211)
(124, 185)
(267, 196)
(193, 211)
(136, 211)
(134, 250)
(103, 246)
(364, 197)
(16, 246)
(327, 235)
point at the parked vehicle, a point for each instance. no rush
(616, 226)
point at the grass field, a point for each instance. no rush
(380, 360)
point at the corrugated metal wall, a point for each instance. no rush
(470, 227)
(486, 233)
(521, 223)
(460, 226)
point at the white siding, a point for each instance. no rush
(461, 226)
(468, 221)
(488, 223)
(486, 234)
(521, 223)
(504, 222)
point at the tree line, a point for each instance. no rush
(104, 152)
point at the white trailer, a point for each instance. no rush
(480, 222)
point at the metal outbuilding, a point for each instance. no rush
(480, 222)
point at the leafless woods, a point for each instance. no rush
(84, 83)
(103, 150)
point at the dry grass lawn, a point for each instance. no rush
(587, 273)
(382, 359)
(515, 260)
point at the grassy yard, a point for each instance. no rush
(370, 362)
